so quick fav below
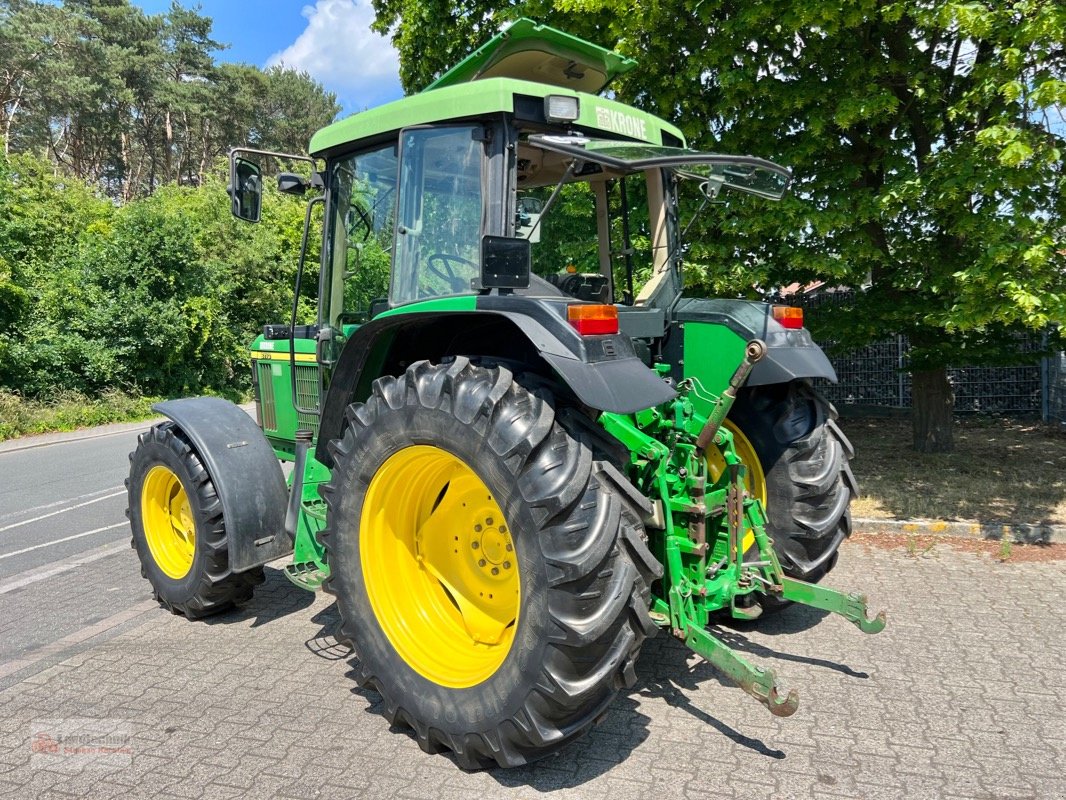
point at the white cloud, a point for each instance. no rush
(338, 49)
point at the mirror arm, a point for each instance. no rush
(316, 178)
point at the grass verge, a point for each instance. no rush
(1001, 471)
(68, 411)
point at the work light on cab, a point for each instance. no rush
(593, 320)
(560, 108)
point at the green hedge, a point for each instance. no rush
(159, 297)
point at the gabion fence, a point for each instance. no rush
(875, 375)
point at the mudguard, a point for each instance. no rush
(791, 353)
(602, 371)
(246, 474)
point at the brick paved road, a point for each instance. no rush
(962, 696)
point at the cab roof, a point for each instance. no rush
(529, 51)
(525, 62)
(487, 96)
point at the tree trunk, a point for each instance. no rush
(168, 131)
(932, 412)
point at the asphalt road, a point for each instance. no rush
(65, 561)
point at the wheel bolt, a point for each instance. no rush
(503, 529)
(495, 570)
(506, 564)
(475, 545)
(488, 521)
(509, 548)
(481, 562)
(477, 528)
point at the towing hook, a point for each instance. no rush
(875, 625)
(783, 707)
(763, 687)
(862, 622)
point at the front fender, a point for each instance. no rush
(246, 474)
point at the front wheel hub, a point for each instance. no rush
(169, 527)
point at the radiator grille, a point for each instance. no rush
(307, 395)
(268, 411)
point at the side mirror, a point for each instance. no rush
(505, 263)
(291, 183)
(246, 190)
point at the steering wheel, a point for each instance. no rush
(440, 264)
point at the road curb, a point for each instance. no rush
(1016, 532)
(81, 434)
(60, 437)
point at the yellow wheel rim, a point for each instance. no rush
(439, 566)
(168, 522)
(754, 478)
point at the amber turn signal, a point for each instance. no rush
(593, 320)
(789, 316)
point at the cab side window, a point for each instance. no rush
(440, 213)
(363, 203)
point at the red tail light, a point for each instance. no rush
(593, 320)
(789, 316)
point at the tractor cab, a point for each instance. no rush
(510, 162)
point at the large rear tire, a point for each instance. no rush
(804, 464)
(179, 531)
(491, 574)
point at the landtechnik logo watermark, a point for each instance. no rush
(79, 743)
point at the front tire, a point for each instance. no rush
(452, 487)
(179, 531)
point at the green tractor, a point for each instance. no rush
(517, 449)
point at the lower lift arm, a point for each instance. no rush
(696, 593)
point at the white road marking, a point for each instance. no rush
(59, 567)
(64, 539)
(133, 428)
(63, 510)
(23, 511)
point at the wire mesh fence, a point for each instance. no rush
(1055, 391)
(876, 375)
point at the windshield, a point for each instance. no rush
(743, 173)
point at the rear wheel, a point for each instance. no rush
(802, 473)
(490, 573)
(178, 528)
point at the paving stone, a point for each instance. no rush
(960, 697)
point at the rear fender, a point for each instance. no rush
(602, 372)
(707, 338)
(246, 474)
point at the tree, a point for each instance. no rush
(128, 101)
(928, 171)
(37, 69)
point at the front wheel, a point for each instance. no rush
(490, 573)
(179, 530)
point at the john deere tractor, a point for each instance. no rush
(517, 449)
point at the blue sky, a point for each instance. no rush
(330, 39)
